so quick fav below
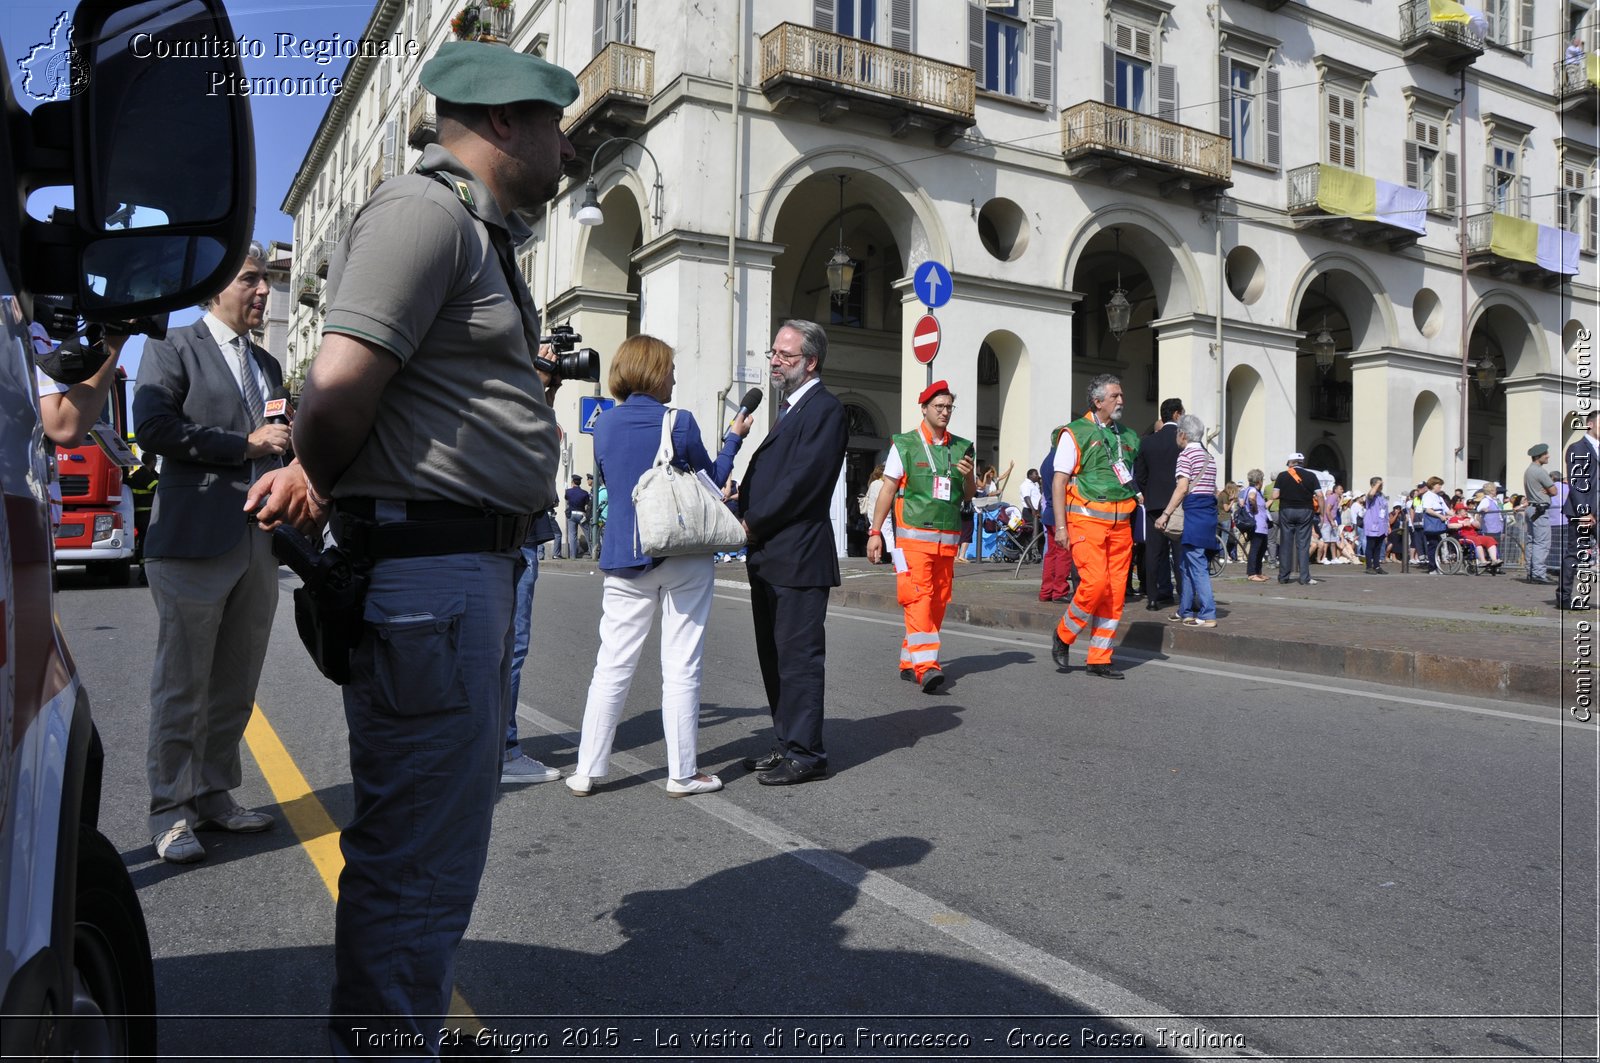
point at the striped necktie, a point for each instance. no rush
(247, 383)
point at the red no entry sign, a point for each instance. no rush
(925, 339)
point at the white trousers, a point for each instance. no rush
(682, 586)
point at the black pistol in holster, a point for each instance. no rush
(327, 610)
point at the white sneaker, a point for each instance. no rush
(178, 845)
(524, 769)
(580, 785)
(699, 784)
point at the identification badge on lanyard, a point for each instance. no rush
(1124, 477)
(941, 488)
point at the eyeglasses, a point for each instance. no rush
(775, 355)
(942, 407)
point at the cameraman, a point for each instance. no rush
(68, 411)
(425, 421)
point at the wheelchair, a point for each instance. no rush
(1455, 555)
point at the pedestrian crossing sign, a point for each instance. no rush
(590, 407)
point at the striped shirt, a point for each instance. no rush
(1195, 462)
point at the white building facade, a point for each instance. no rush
(1255, 179)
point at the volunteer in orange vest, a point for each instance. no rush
(1093, 495)
(927, 475)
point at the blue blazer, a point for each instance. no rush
(787, 496)
(626, 438)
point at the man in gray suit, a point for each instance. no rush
(200, 405)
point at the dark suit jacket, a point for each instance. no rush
(1155, 468)
(188, 409)
(787, 494)
(1583, 481)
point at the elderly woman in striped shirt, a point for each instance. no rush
(1197, 493)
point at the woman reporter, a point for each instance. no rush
(626, 439)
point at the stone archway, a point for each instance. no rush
(1505, 421)
(1245, 439)
(1004, 405)
(1429, 451)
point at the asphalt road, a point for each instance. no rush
(1256, 863)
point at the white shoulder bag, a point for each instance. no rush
(678, 512)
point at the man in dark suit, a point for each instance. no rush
(1581, 508)
(785, 504)
(1155, 474)
(200, 405)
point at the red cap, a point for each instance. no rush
(936, 388)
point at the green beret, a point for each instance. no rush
(1537, 449)
(471, 72)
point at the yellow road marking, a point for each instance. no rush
(309, 819)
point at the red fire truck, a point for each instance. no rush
(97, 527)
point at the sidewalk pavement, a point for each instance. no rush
(1488, 636)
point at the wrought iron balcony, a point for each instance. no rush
(319, 258)
(1497, 244)
(1452, 45)
(614, 93)
(1126, 145)
(1576, 94)
(422, 126)
(483, 22)
(1306, 208)
(308, 290)
(839, 74)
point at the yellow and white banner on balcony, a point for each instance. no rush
(1591, 68)
(1355, 195)
(1545, 246)
(1447, 11)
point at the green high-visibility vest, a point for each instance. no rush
(1098, 447)
(918, 507)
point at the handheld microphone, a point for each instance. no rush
(748, 404)
(277, 407)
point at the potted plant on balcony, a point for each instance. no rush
(472, 23)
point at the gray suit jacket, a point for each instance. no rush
(188, 409)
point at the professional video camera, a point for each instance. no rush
(571, 362)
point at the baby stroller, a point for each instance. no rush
(1013, 540)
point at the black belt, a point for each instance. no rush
(427, 530)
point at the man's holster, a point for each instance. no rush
(328, 609)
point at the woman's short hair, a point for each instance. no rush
(1193, 427)
(642, 365)
(1255, 476)
(1435, 481)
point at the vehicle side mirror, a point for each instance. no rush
(163, 159)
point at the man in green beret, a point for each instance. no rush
(427, 424)
(1539, 487)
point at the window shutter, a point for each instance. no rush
(1451, 181)
(1224, 96)
(1122, 37)
(824, 16)
(1525, 27)
(1563, 210)
(1042, 42)
(975, 24)
(1141, 44)
(1042, 10)
(600, 25)
(1167, 92)
(622, 21)
(1414, 167)
(1591, 210)
(1274, 152)
(1525, 198)
(1109, 73)
(900, 25)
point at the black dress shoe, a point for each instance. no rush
(1104, 671)
(765, 763)
(908, 675)
(1060, 652)
(788, 772)
(932, 680)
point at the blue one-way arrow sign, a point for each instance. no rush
(932, 284)
(591, 407)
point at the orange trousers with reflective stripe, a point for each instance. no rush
(1102, 551)
(924, 593)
